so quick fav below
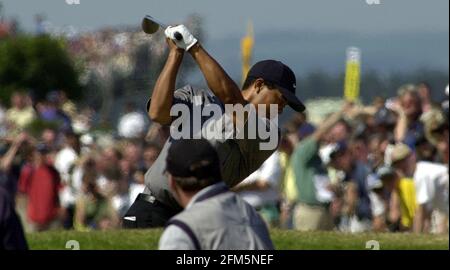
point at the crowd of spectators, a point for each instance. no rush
(381, 167)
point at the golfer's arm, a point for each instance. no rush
(218, 80)
(162, 96)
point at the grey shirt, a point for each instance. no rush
(239, 157)
(215, 218)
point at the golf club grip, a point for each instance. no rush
(178, 36)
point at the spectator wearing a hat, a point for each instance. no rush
(431, 185)
(436, 132)
(396, 205)
(357, 206)
(213, 216)
(40, 183)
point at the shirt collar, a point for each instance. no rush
(209, 191)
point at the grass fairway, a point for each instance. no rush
(283, 240)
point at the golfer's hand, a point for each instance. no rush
(188, 40)
(173, 47)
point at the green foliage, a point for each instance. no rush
(38, 63)
(37, 126)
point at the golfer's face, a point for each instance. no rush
(268, 97)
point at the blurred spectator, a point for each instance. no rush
(49, 138)
(50, 111)
(385, 120)
(2, 121)
(314, 186)
(21, 114)
(66, 105)
(378, 203)
(432, 189)
(132, 124)
(12, 236)
(436, 133)
(93, 210)
(424, 91)
(289, 194)
(82, 122)
(132, 153)
(151, 152)
(138, 184)
(40, 182)
(261, 189)
(402, 186)
(408, 109)
(357, 207)
(8, 174)
(377, 144)
(67, 156)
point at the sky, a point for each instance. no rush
(229, 18)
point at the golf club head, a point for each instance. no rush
(149, 26)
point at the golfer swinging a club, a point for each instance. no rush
(268, 83)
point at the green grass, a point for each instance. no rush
(283, 240)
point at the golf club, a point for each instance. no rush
(150, 25)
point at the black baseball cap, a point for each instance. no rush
(193, 158)
(280, 75)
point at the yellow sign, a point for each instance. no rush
(247, 50)
(352, 74)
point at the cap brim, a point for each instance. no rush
(292, 100)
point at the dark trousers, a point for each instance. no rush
(147, 212)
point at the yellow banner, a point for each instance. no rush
(352, 75)
(247, 50)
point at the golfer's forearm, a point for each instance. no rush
(162, 96)
(218, 80)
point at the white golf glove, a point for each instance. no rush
(188, 39)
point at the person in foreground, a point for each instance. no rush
(214, 218)
(12, 236)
